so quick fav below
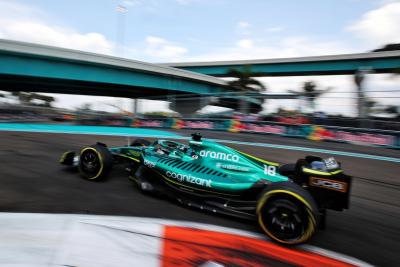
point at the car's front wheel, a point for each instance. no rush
(287, 214)
(95, 162)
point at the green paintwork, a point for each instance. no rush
(205, 165)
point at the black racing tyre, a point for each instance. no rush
(287, 213)
(140, 142)
(95, 162)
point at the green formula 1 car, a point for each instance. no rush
(288, 201)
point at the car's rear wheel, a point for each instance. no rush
(287, 214)
(95, 162)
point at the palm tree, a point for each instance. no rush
(47, 100)
(392, 109)
(244, 83)
(370, 104)
(26, 98)
(396, 73)
(311, 93)
(388, 47)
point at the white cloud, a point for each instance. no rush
(131, 2)
(274, 29)
(186, 2)
(296, 46)
(162, 49)
(243, 28)
(327, 102)
(379, 26)
(24, 23)
(183, 2)
(243, 25)
(245, 43)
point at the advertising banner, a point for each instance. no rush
(311, 132)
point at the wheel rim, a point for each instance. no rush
(90, 162)
(285, 220)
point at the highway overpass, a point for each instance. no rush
(39, 68)
(377, 62)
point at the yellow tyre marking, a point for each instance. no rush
(100, 160)
(64, 155)
(311, 226)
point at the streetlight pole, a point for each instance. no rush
(121, 18)
(121, 21)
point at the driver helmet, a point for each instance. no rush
(318, 165)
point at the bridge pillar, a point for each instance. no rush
(359, 78)
(135, 103)
(187, 107)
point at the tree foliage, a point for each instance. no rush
(28, 98)
(388, 47)
(244, 81)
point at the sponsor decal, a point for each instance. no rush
(151, 123)
(376, 139)
(177, 124)
(269, 170)
(219, 155)
(147, 123)
(199, 124)
(188, 178)
(328, 184)
(274, 129)
(234, 126)
(149, 163)
(318, 133)
(232, 167)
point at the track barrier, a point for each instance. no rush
(383, 138)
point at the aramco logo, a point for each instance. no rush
(219, 155)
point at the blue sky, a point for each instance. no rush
(205, 26)
(199, 30)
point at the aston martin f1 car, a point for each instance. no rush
(288, 201)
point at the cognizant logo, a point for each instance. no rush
(219, 155)
(188, 178)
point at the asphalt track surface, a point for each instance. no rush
(33, 181)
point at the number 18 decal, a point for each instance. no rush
(270, 170)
